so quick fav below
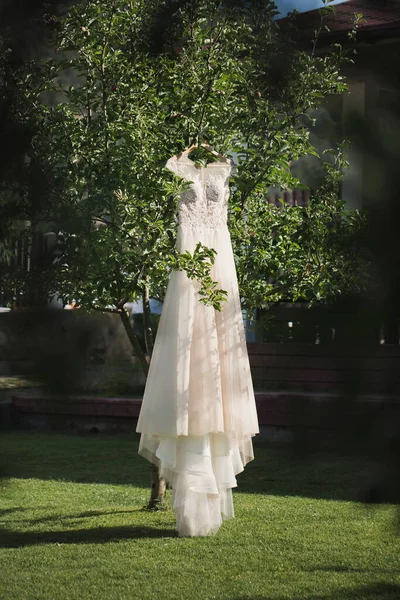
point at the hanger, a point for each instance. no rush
(204, 145)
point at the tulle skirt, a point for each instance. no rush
(198, 413)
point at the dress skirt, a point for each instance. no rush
(198, 413)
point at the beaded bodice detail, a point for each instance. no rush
(204, 203)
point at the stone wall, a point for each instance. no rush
(69, 350)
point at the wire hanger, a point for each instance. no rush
(206, 146)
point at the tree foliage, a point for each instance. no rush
(133, 82)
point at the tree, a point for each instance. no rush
(133, 82)
(312, 253)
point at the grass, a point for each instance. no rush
(72, 526)
(112, 386)
(16, 383)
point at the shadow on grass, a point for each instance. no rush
(14, 509)
(98, 535)
(68, 518)
(383, 591)
(346, 569)
(109, 459)
(113, 459)
(281, 471)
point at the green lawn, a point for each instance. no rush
(17, 383)
(72, 526)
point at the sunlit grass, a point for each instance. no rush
(16, 383)
(72, 525)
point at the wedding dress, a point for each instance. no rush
(198, 413)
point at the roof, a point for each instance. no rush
(379, 16)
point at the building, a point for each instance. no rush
(369, 115)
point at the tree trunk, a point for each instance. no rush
(158, 487)
(158, 484)
(148, 333)
(134, 341)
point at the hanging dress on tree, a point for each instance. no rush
(198, 414)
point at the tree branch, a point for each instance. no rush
(134, 341)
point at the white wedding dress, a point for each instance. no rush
(198, 414)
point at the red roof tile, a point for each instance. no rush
(377, 15)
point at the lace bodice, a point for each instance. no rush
(204, 204)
